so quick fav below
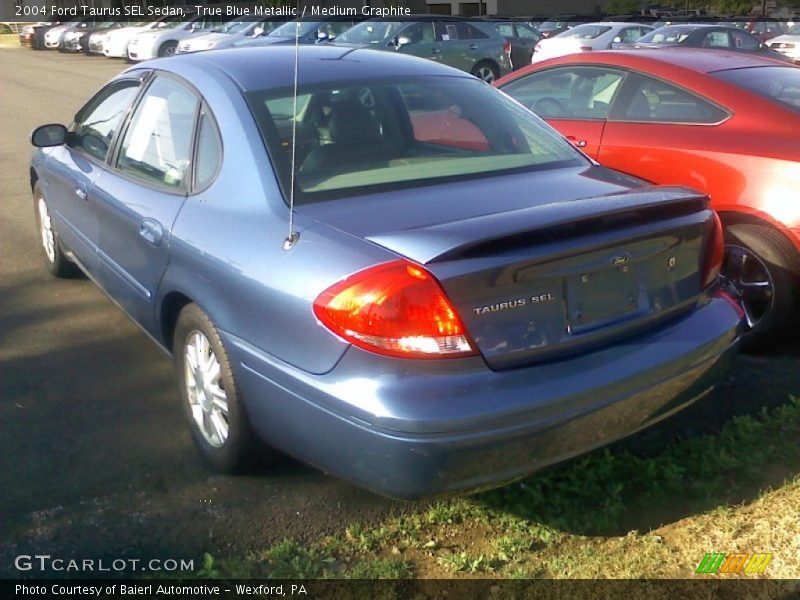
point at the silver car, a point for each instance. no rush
(164, 40)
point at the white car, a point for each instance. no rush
(164, 40)
(589, 37)
(115, 42)
(787, 44)
(54, 35)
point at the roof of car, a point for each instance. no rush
(700, 60)
(273, 66)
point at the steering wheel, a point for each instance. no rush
(551, 107)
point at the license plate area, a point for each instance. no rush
(597, 298)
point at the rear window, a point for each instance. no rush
(667, 35)
(781, 84)
(354, 138)
(585, 32)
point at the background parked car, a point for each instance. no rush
(719, 37)
(723, 122)
(472, 46)
(522, 37)
(115, 41)
(78, 39)
(787, 44)
(228, 34)
(589, 37)
(54, 37)
(475, 315)
(311, 32)
(27, 35)
(163, 40)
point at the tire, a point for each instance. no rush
(167, 49)
(54, 258)
(203, 394)
(486, 71)
(762, 269)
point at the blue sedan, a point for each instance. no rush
(458, 299)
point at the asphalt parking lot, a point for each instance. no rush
(95, 457)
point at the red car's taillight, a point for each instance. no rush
(507, 47)
(712, 263)
(397, 309)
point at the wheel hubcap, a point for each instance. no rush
(204, 389)
(486, 74)
(747, 277)
(46, 229)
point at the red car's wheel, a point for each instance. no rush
(763, 270)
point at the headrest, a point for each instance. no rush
(353, 124)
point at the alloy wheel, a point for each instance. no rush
(205, 390)
(746, 276)
(486, 74)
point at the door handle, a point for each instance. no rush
(151, 231)
(576, 142)
(80, 191)
(473, 46)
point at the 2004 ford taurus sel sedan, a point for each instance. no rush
(466, 297)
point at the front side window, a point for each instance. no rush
(505, 29)
(373, 32)
(355, 138)
(660, 102)
(526, 33)
(157, 146)
(569, 92)
(99, 120)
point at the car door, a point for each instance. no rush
(574, 99)
(668, 135)
(522, 47)
(139, 200)
(73, 168)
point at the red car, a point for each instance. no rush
(722, 122)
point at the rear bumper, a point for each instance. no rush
(411, 429)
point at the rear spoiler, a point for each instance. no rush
(445, 241)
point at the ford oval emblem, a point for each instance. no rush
(622, 259)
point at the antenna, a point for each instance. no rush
(293, 237)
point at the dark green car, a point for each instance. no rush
(472, 46)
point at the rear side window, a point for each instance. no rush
(568, 92)
(586, 32)
(158, 143)
(505, 29)
(96, 124)
(781, 84)
(208, 154)
(659, 102)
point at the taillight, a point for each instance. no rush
(507, 47)
(586, 48)
(712, 263)
(396, 308)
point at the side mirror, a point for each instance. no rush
(46, 136)
(401, 41)
(258, 31)
(322, 36)
(617, 40)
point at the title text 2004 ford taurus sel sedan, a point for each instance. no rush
(458, 310)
